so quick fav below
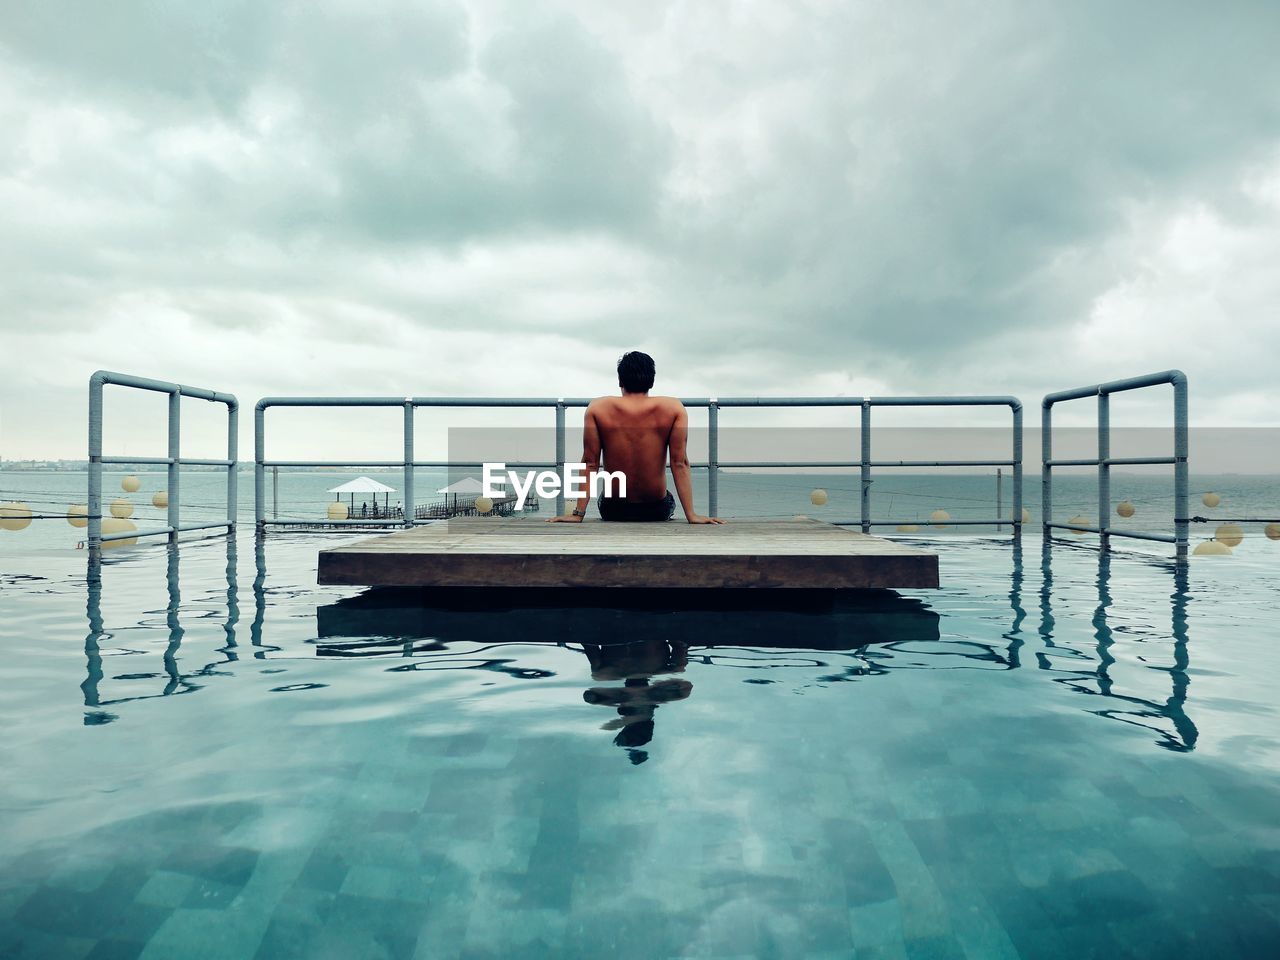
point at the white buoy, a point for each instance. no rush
(78, 514)
(908, 528)
(15, 516)
(337, 510)
(160, 499)
(1124, 508)
(118, 525)
(121, 508)
(1229, 533)
(818, 497)
(1211, 499)
(1212, 548)
(1026, 515)
(1272, 530)
(484, 504)
(1078, 521)
(131, 484)
(937, 517)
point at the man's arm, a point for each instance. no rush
(590, 461)
(680, 473)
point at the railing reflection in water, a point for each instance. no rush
(875, 632)
(1181, 733)
(173, 680)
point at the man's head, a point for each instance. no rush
(635, 372)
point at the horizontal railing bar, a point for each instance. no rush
(974, 401)
(922, 523)
(395, 521)
(977, 401)
(785, 463)
(525, 402)
(161, 386)
(165, 461)
(942, 463)
(858, 463)
(477, 464)
(1005, 522)
(1115, 386)
(1110, 461)
(701, 464)
(439, 464)
(781, 401)
(134, 535)
(333, 463)
(1113, 532)
(552, 402)
(162, 531)
(1233, 520)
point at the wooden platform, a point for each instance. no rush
(771, 554)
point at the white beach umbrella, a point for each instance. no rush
(363, 485)
(465, 487)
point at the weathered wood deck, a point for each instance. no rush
(769, 554)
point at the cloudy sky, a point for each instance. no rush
(802, 197)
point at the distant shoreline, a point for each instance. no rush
(1030, 470)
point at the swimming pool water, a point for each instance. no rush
(1052, 756)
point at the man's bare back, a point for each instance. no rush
(636, 435)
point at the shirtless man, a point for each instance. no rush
(637, 434)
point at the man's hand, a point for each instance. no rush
(699, 518)
(567, 518)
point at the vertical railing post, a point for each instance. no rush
(713, 457)
(233, 468)
(866, 465)
(95, 463)
(1181, 518)
(999, 499)
(409, 511)
(175, 468)
(1104, 469)
(1046, 471)
(560, 455)
(1017, 471)
(259, 468)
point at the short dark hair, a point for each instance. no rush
(635, 372)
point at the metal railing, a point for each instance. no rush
(407, 463)
(174, 461)
(713, 464)
(1104, 461)
(865, 463)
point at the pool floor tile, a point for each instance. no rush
(116, 950)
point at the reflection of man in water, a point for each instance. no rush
(637, 699)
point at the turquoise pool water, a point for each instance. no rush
(1052, 756)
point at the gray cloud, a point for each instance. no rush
(961, 197)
